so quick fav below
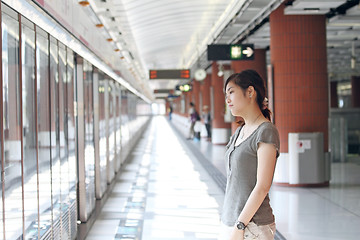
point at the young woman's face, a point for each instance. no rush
(236, 99)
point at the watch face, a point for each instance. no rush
(240, 225)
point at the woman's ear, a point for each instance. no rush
(251, 91)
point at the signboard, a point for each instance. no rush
(170, 74)
(232, 52)
(301, 145)
(162, 90)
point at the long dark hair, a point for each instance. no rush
(249, 78)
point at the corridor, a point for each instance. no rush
(162, 193)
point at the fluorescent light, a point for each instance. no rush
(29, 11)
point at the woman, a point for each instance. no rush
(250, 157)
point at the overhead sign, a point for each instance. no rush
(170, 74)
(232, 52)
(162, 90)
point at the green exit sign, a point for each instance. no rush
(217, 52)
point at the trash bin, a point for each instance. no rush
(306, 158)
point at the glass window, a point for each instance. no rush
(70, 139)
(29, 129)
(131, 113)
(12, 129)
(102, 133)
(89, 138)
(111, 136)
(64, 164)
(124, 118)
(118, 127)
(55, 136)
(44, 143)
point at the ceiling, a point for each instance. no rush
(174, 34)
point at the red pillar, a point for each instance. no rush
(258, 64)
(205, 90)
(188, 99)
(176, 105)
(298, 56)
(355, 91)
(333, 95)
(220, 129)
(195, 94)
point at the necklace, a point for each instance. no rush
(243, 129)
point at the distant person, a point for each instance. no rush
(170, 112)
(193, 117)
(207, 121)
(250, 161)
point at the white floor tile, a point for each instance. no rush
(183, 202)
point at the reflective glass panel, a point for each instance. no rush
(29, 131)
(118, 127)
(55, 138)
(102, 133)
(70, 139)
(64, 163)
(89, 138)
(44, 129)
(12, 127)
(124, 119)
(111, 136)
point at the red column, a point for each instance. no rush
(333, 95)
(195, 92)
(355, 91)
(176, 105)
(220, 129)
(205, 95)
(258, 64)
(298, 56)
(188, 99)
(205, 90)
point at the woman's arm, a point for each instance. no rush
(266, 165)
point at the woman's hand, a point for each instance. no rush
(237, 234)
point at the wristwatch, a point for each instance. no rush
(240, 225)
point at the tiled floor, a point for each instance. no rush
(331, 213)
(165, 193)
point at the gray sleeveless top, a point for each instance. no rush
(241, 167)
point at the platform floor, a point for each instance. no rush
(163, 193)
(172, 188)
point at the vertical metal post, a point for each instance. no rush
(21, 125)
(343, 139)
(106, 105)
(98, 190)
(2, 137)
(81, 139)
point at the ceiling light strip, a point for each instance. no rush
(38, 17)
(246, 29)
(223, 20)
